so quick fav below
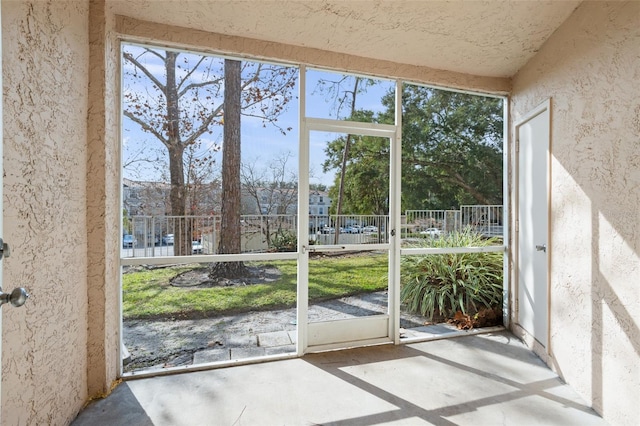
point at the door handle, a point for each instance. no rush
(542, 247)
(16, 298)
(19, 295)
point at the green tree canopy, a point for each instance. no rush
(451, 148)
(366, 186)
(451, 153)
(366, 189)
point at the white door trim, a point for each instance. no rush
(540, 109)
(1, 205)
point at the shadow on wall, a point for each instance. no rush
(595, 133)
(613, 252)
(589, 67)
(603, 294)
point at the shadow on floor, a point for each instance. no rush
(473, 380)
(120, 408)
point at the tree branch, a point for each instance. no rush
(457, 179)
(153, 52)
(129, 57)
(136, 158)
(195, 85)
(202, 58)
(204, 127)
(146, 127)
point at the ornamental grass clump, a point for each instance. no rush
(446, 283)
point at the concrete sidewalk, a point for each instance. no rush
(484, 379)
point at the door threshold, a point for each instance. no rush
(153, 372)
(442, 331)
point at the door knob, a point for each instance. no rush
(17, 297)
(542, 247)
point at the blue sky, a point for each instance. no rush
(261, 144)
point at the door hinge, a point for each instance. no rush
(517, 145)
(4, 249)
(517, 225)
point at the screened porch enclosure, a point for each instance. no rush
(295, 223)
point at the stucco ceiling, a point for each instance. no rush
(485, 38)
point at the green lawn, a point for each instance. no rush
(149, 294)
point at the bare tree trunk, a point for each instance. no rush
(182, 236)
(179, 131)
(230, 238)
(343, 168)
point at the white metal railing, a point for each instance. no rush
(160, 236)
(348, 229)
(431, 222)
(486, 220)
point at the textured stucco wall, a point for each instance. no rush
(181, 36)
(44, 346)
(61, 195)
(103, 201)
(487, 38)
(590, 68)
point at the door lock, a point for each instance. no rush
(4, 249)
(542, 247)
(17, 297)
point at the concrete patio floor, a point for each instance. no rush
(487, 379)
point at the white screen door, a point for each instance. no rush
(532, 141)
(335, 242)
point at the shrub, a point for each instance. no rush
(446, 283)
(284, 241)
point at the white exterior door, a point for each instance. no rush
(18, 296)
(532, 145)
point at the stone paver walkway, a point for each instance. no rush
(156, 345)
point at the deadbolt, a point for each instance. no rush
(4, 249)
